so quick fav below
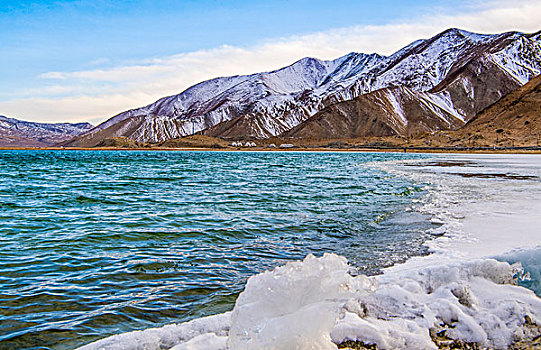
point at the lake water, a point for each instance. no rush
(95, 243)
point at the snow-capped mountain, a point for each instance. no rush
(271, 103)
(476, 77)
(19, 133)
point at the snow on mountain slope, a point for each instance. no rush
(385, 112)
(419, 66)
(521, 57)
(477, 76)
(19, 133)
(277, 93)
(268, 104)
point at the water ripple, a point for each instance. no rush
(95, 243)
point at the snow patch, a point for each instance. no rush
(397, 107)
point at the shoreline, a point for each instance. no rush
(421, 150)
(503, 231)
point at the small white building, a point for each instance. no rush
(286, 145)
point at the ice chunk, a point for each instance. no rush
(295, 306)
(195, 334)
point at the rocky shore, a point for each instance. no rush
(445, 343)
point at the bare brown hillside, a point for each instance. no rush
(516, 117)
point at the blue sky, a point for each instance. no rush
(86, 60)
(42, 36)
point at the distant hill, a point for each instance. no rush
(433, 84)
(20, 133)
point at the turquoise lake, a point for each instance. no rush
(95, 243)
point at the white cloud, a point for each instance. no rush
(100, 93)
(74, 109)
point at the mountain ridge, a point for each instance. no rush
(272, 103)
(20, 133)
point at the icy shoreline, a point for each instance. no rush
(454, 293)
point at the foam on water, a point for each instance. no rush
(487, 205)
